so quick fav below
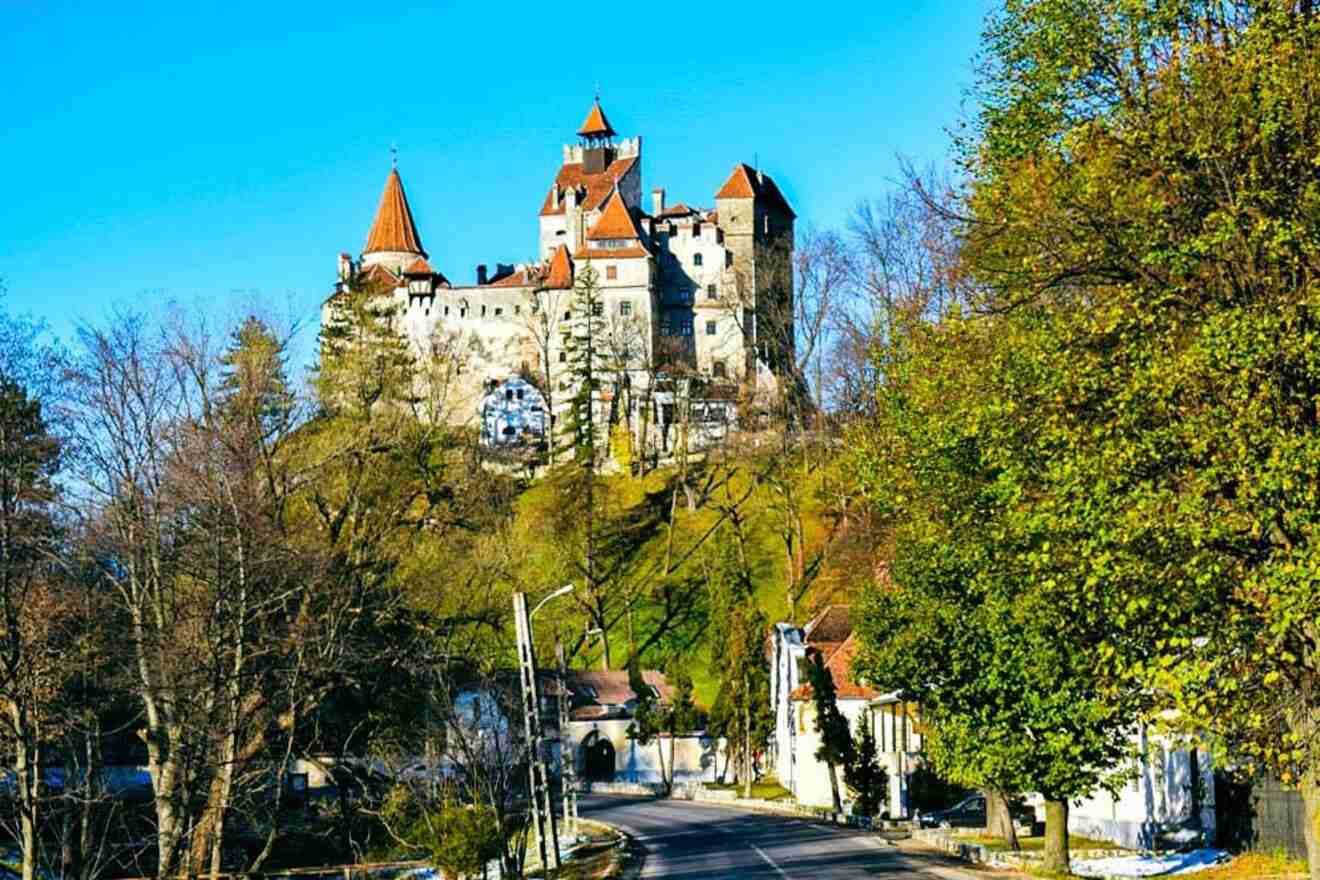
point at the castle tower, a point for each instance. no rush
(592, 169)
(393, 241)
(758, 232)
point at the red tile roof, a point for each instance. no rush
(612, 688)
(839, 664)
(747, 183)
(597, 186)
(393, 228)
(560, 276)
(596, 124)
(514, 279)
(832, 625)
(679, 210)
(616, 221)
(419, 267)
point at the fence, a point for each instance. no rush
(1260, 814)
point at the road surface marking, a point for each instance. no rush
(769, 861)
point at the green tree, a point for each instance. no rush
(836, 745)
(1010, 684)
(29, 606)
(1144, 174)
(864, 775)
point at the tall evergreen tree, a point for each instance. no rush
(836, 745)
(864, 774)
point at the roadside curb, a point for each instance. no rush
(803, 814)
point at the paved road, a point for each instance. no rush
(687, 841)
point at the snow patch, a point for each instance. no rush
(1150, 865)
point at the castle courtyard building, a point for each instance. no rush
(699, 293)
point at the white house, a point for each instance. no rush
(598, 733)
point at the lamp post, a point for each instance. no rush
(538, 779)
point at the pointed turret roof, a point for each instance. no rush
(393, 229)
(560, 276)
(596, 125)
(748, 183)
(616, 221)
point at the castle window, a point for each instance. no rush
(597, 309)
(717, 370)
(696, 230)
(728, 259)
(462, 313)
(611, 273)
(446, 311)
(696, 259)
(563, 357)
(508, 394)
(427, 312)
(499, 312)
(710, 292)
(568, 316)
(520, 394)
(517, 310)
(711, 327)
(625, 308)
(483, 311)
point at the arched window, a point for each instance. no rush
(696, 259)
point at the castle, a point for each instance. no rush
(704, 294)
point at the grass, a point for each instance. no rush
(766, 790)
(1258, 866)
(1076, 843)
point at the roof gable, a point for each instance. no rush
(616, 221)
(560, 276)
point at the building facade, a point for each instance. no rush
(701, 294)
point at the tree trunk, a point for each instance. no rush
(27, 780)
(673, 773)
(1056, 838)
(1310, 789)
(998, 819)
(747, 739)
(834, 788)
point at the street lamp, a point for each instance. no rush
(562, 591)
(538, 779)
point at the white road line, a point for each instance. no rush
(769, 861)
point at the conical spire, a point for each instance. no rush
(393, 229)
(596, 124)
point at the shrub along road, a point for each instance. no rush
(686, 841)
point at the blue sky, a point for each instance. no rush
(220, 155)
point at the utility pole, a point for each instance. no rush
(539, 795)
(567, 751)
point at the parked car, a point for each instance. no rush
(970, 813)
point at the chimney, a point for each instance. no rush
(657, 201)
(481, 274)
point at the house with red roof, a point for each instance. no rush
(893, 721)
